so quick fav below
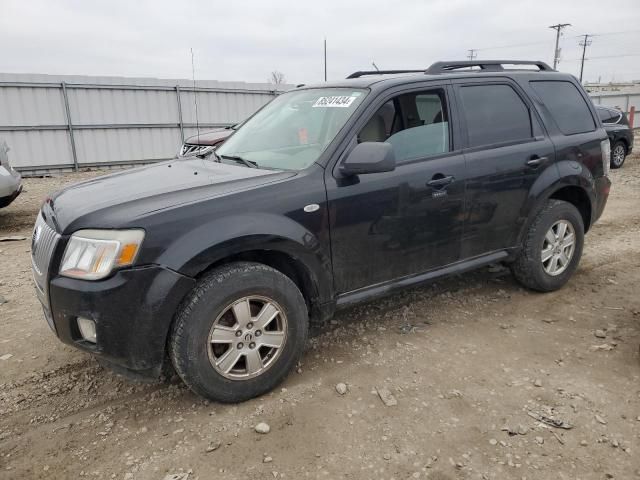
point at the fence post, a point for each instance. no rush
(632, 114)
(70, 126)
(180, 113)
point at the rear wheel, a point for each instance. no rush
(239, 333)
(618, 154)
(552, 247)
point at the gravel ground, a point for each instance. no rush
(455, 380)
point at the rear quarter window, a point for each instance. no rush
(566, 105)
(608, 115)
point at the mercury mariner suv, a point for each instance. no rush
(328, 196)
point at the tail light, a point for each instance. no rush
(605, 148)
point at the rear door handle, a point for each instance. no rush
(440, 181)
(536, 161)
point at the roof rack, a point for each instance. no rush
(446, 67)
(484, 65)
(362, 73)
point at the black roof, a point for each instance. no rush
(439, 70)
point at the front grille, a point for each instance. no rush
(43, 243)
(191, 149)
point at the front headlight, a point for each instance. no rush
(94, 254)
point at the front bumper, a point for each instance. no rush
(6, 200)
(603, 185)
(132, 311)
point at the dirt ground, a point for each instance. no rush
(475, 363)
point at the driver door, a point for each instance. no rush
(387, 226)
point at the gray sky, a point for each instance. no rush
(246, 40)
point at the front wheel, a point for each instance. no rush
(239, 332)
(618, 154)
(552, 247)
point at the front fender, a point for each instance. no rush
(196, 250)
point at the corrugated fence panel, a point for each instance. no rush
(38, 147)
(31, 106)
(623, 101)
(113, 106)
(125, 145)
(113, 119)
(221, 108)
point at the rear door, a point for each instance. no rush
(506, 150)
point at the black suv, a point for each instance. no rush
(328, 196)
(620, 134)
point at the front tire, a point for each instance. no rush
(552, 247)
(618, 154)
(239, 332)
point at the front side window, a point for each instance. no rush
(292, 131)
(566, 105)
(415, 124)
(494, 114)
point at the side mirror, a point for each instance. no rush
(369, 157)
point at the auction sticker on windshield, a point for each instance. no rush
(341, 101)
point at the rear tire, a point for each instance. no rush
(239, 332)
(618, 154)
(552, 247)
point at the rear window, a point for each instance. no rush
(567, 106)
(494, 114)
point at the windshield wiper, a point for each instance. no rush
(239, 159)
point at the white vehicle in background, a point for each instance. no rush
(10, 180)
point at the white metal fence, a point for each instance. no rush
(68, 122)
(621, 101)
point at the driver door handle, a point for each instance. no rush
(441, 181)
(536, 161)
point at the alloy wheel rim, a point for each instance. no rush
(247, 337)
(558, 247)
(618, 155)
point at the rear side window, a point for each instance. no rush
(608, 115)
(567, 106)
(494, 114)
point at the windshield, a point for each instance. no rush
(293, 130)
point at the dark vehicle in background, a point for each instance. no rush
(202, 143)
(10, 179)
(616, 125)
(328, 196)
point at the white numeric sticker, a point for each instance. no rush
(340, 101)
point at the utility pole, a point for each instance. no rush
(325, 59)
(556, 53)
(584, 43)
(473, 53)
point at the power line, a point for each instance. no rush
(511, 46)
(515, 45)
(600, 57)
(473, 53)
(604, 34)
(556, 53)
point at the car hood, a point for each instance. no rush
(119, 199)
